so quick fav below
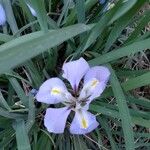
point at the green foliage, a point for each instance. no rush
(33, 49)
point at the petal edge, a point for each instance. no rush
(55, 119)
(74, 71)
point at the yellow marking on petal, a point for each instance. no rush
(94, 83)
(84, 123)
(55, 91)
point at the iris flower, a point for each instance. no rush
(87, 84)
(2, 15)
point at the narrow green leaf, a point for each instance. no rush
(131, 84)
(123, 110)
(136, 82)
(80, 8)
(140, 121)
(3, 102)
(78, 143)
(103, 121)
(121, 24)
(72, 17)
(64, 10)
(10, 15)
(26, 11)
(31, 114)
(144, 20)
(34, 73)
(44, 142)
(17, 76)
(20, 92)
(39, 7)
(5, 37)
(21, 135)
(115, 114)
(23, 48)
(7, 139)
(139, 101)
(49, 136)
(121, 52)
(128, 73)
(125, 7)
(97, 29)
(7, 114)
(133, 112)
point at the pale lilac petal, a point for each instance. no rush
(55, 119)
(76, 125)
(101, 73)
(2, 15)
(95, 82)
(46, 94)
(74, 71)
(33, 12)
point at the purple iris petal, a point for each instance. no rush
(45, 94)
(2, 15)
(76, 127)
(74, 71)
(55, 119)
(99, 73)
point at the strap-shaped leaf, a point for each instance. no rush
(23, 48)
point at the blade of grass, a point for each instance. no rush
(121, 24)
(39, 7)
(115, 114)
(133, 112)
(34, 73)
(9, 115)
(97, 29)
(123, 110)
(17, 76)
(126, 6)
(80, 9)
(144, 20)
(23, 48)
(31, 114)
(72, 17)
(131, 84)
(3, 102)
(140, 101)
(5, 37)
(49, 136)
(10, 15)
(21, 135)
(121, 52)
(26, 11)
(20, 92)
(43, 141)
(64, 10)
(141, 121)
(103, 121)
(136, 82)
(7, 139)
